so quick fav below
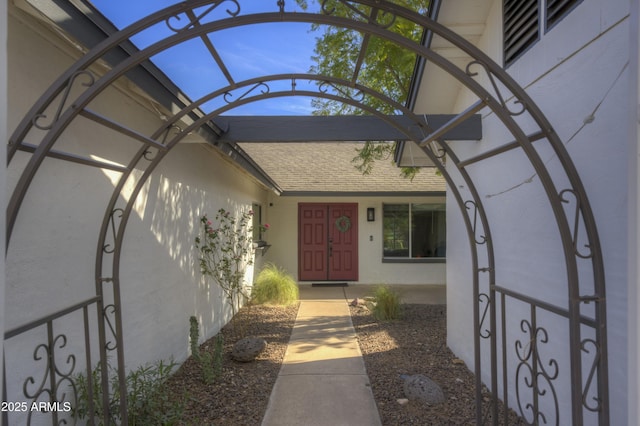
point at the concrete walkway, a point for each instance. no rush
(323, 380)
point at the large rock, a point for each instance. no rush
(248, 348)
(423, 389)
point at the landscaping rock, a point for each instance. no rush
(423, 389)
(248, 348)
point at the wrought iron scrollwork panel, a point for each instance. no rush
(109, 311)
(37, 120)
(55, 381)
(576, 222)
(150, 154)
(438, 151)
(478, 239)
(383, 20)
(532, 373)
(264, 89)
(586, 401)
(112, 226)
(355, 95)
(483, 298)
(496, 89)
(198, 18)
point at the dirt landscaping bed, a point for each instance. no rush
(415, 344)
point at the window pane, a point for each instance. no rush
(428, 230)
(257, 221)
(396, 230)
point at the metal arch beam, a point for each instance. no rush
(266, 17)
(498, 105)
(556, 198)
(119, 234)
(196, 31)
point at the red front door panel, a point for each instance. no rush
(328, 242)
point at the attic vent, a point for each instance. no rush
(520, 27)
(558, 9)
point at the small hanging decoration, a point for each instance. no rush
(343, 223)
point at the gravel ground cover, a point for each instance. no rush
(239, 396)
(415, 344)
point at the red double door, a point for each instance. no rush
(328, 242)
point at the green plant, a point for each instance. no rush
(274, 286)
(387, 303)
(226, 249)
(194, 335)
(210, 362)
(148, 400)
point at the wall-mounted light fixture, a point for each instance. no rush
(371, 214)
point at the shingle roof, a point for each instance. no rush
(327, 167)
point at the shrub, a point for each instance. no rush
(210, 361)
(274, 286)
(226, 249)
(148, 400)
(387, 303)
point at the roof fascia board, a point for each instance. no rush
(339, 128)
(88, 26)
(418, 70)
(389, 194)
(83, 22)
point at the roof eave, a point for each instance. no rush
(418, 71)
(88, 26)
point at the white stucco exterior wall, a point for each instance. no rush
(634, 214)
(51, 258)
(577, 74)
(282, 215)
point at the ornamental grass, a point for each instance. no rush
(274, 286)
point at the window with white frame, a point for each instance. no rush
(523, 22)
(258, 229)
(414, 230)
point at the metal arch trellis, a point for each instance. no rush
(374, 23)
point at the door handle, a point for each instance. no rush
(330, 247)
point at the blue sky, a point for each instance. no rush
(247, 52)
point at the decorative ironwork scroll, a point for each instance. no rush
(196, 20)
(110, 310)
(265, 89)
(53, 379)
(357, 95)
(495, 87)
(592, 372)
(532, 373)
(484, 298)
(469, 205)
(576, 222)
(383, 20)
(150, 154)
(65, 96)
(112, 225)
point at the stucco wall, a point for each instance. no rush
(634, 213)
(578, 75)
(282, 215)
(51, 258)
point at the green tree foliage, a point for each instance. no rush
(387, 68)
